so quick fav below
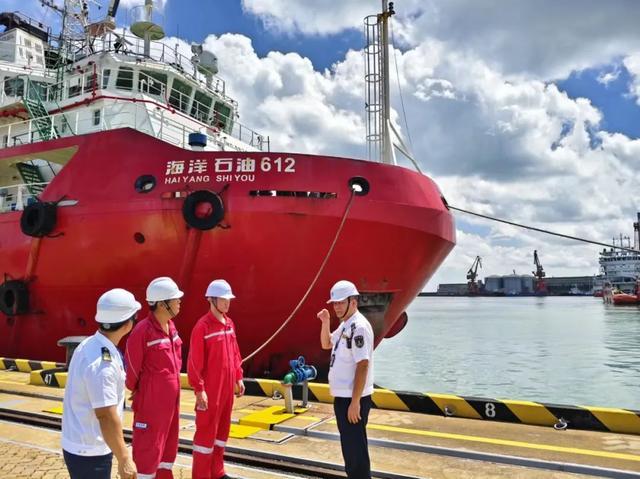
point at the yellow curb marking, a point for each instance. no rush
(505, 442)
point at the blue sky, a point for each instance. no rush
(620, 111)
(227, 16)
(518, 109)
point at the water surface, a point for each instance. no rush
(565, 350)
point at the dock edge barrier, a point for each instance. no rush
(26, 365)
(560, 416)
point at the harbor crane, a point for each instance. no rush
(472, 274)
(540, 284)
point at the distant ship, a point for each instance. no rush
(620, 267)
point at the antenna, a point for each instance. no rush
(146, 29)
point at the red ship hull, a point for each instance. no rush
(270, 249)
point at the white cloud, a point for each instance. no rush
(319, 17)
(158, 5)
(610, 76)
(281, 94)
(545, 38)
(632, 64)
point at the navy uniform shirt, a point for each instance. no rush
(351, 343)
(95, 380)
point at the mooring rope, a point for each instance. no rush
(541, 230)
(313, 283)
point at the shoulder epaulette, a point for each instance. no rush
(106, 355)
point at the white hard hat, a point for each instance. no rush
(163, 289)
(115, 306)
(342, 290)
(219, 288)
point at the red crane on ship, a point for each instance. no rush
(472, 274)
(540, 284)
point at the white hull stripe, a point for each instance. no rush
(219, 443)
(201, 450)
(158, 341)
(165, 465)
(219, 333)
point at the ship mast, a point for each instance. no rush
(75, 35)
(387, 11)
(377, 91)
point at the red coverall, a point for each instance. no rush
(214, 365)
(153, 360)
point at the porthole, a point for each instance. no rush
(145, 183)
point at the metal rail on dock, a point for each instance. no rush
(312, 468)
(235, 455)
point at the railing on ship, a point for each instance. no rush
(16, 197)
(129, 45)
(171, 131)
(215, 122)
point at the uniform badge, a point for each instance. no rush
(359, 341)
(106, 355)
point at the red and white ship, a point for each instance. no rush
(100, 188)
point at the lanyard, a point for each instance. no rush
(348, 338)
(335, 348)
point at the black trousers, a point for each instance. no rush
(88, 467)
(353, 437)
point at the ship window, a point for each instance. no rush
(125, 79)
(201, 106)
(96, 117)
(222, 116)
(27, 43)
(14, 87)
(90, 82)
(5, 141)
(105, 78)
(38, 48)
(180, 93)
(153, 83)
(75, 86)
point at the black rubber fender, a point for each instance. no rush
(39, 219)
(207, 222)
(14, 297)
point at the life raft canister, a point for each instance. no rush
(39, 219)
(203, 209)
(14, 297)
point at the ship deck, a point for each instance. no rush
(402, 444)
